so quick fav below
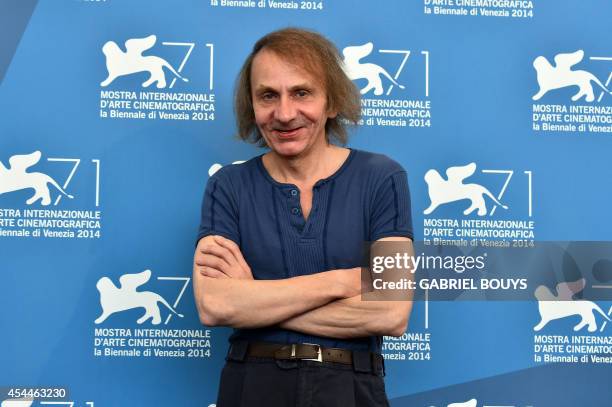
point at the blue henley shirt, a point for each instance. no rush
(366, 199)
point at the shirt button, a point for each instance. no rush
(295, 211)
(294, 192)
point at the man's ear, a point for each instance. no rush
(331, 113)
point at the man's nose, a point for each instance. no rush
(285, 110)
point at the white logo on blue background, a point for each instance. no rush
(120, 63)
(469, 403)
(443, 191)
(563, 305)
(561, 75)
(16, 178)
(17, 403)
(372, 73)
(216, 167)
(115, 299)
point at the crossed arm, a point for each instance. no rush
(323, 304)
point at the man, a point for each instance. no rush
(281, 237)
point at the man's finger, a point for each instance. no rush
(234, 249)
(210, 260)
(211, 272)
(219, 251)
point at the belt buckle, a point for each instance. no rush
(319, 357)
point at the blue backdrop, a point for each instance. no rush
(103, 171)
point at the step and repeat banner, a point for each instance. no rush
(115, 113)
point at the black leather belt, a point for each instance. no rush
(301, 351)
(361, 361)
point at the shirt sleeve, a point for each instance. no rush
(219, 210)
(391, 211)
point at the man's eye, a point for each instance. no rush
(301, 93)
(267, 96)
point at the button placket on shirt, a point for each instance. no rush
(293, 203)
(294, 207)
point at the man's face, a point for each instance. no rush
(290, 105)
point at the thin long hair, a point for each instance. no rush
(320, 58)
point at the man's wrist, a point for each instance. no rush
(348, 282)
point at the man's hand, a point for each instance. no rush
(218, 257)
(350, 279)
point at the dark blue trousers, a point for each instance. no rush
(259, 382)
